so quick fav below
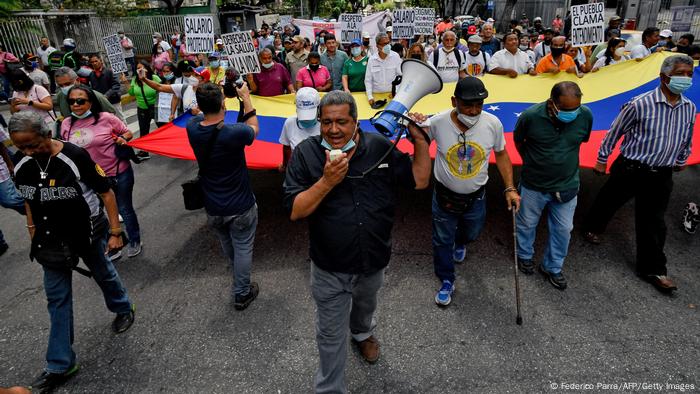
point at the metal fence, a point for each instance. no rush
(22, 36)
(663, 21)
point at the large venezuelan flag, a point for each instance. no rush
(604, 93)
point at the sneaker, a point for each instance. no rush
(3, 248)
(3, 102)
(114, 255)
(242, 302)
(691, 218)
(48, 381)
(133, 250)
(460, 253)
(557, 280)
(143, 155)
(444, 296)
(526, 266)
(123, 321)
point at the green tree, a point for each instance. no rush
(101, 7)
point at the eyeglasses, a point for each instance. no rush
(78, 101)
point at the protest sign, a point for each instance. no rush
(242, 55)
(587, 24)
(350, 27)
(285, 20)
(199, 34)
(682, 18)
(424, 20)
(403, 23)
(113, 48)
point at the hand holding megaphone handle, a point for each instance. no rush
(404, 121)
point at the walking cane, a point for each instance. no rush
(519, 318)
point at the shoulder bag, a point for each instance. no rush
(192, 192)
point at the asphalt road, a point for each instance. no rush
(608, 327)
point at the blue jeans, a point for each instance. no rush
(10, 198)
(124, 190)
(237, 234)
(449, 228)
(560, 222)
(6, 92)
(58, 287)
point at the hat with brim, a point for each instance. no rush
(470, 89)
(307, 101)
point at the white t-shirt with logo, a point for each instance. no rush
(187, 95)
(292, 135)
(476, 65)
(447, 66)
(463, 168)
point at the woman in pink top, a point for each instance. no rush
(99, 133)
(314, 75)
(29, 96)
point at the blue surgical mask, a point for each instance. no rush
(214, 64)
(321, 40)
(83, 116)
(35, 65)
(307, 124)
(661, 43)
(268, 65)
(66, 89)
(356, 51)
(680, 84)
(348, 146)
(386, 49)
(169, 76)
(567, 116)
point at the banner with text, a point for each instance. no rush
(113, 48)
(403, 23)
(682, 18)
(424, 20)
(199, 34)
(350, 27)
(242, 54)
(587, 24)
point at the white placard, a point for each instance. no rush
(403, 23)
(424, 20)
(113, 48)
(587, 24)
(164, 101)
(350, 27)
(242, 54)
(199, 34)
(682, 18)
(285, 20)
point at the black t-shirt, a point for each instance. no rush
(350, 231)
(62, 203)
(225, 179)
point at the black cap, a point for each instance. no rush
(470, 89)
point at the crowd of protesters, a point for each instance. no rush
(74, 174)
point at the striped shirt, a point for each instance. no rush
(656, 133)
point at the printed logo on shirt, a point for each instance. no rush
(82, 138)
(474, 69)
(465, 160)
(100, 170)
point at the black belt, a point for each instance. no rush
(638, 165)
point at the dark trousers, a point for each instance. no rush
(651, 190)
(144, 116)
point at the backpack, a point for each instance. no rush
(457, 53)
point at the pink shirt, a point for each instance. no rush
(320, 77)
(36, 93)
(97, 139)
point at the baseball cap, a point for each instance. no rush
(219, 41)
(307, 101)
(470, 89)
(615, 18)
(471, 29)
(286, 40)
(475, 40)
(214, 55)
(297, 38)
(390, 28)
(463, 41)
(365, 34)
(666, 33)
(490, 20)
(539, 18)
(356, 42)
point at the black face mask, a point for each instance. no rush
(556, 52)
(43, 47)
(548, 42)
(314, 67)
(417, 56)
(365, 43)
(683, 49)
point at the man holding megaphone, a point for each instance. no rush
(465, 137)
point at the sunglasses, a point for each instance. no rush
(79, 101)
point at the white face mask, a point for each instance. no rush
(192, 81)
(467, 120)
(620, 51)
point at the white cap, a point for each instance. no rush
(390, 28)
(666, 33)
(219, 41)
(490, 20)
(539, 18)
(365, 34)
(307, 101)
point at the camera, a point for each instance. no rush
(232, 81)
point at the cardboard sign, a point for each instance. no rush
(424, 20)
(199, 34)
(115, 54)
(682, 18)
(587, 24)
(242, 55)
(403, 23)
(350, 27)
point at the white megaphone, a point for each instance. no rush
(418, 80)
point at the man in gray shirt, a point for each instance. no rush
(334, 59)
